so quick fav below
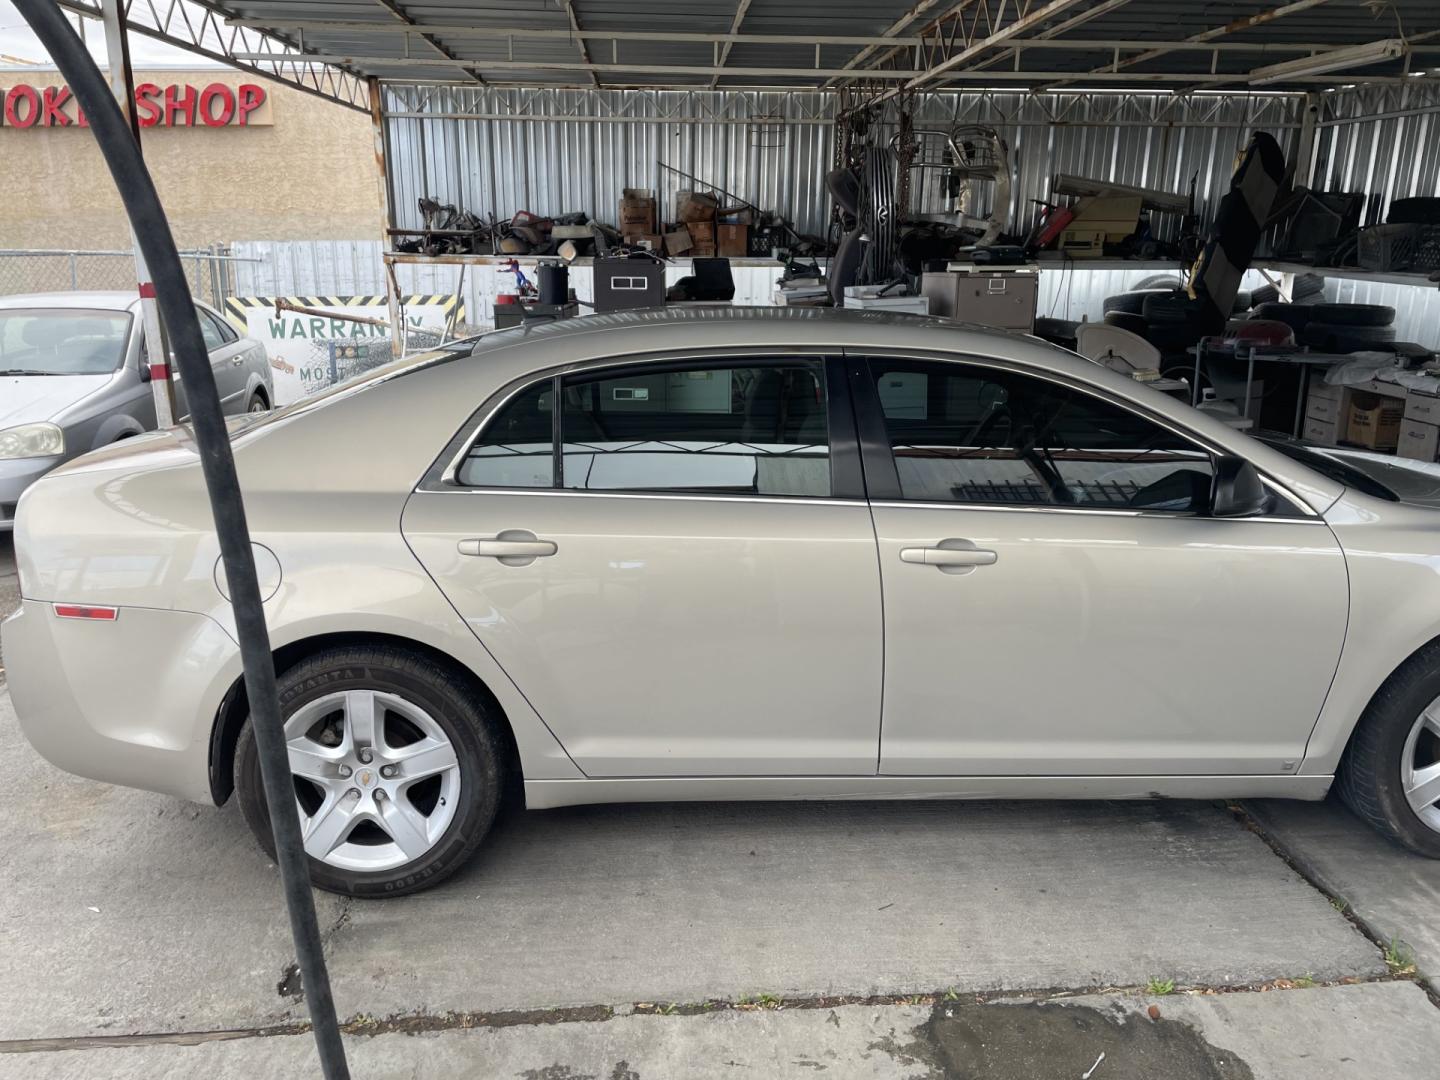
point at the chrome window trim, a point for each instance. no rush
(1020, 508)
(449, 476)
(1021, 368)
(551, 492)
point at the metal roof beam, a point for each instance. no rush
(367, 62)
(267, 55)
(1078, 19)
(579, 40)
(1247, 23)
(893, 31)
(741, 7)
(404, 19)
(1027, 16)
(951, 41)
(490, 33)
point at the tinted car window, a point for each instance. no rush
(976, 435)
(214, 339)
(516, 448)
(738, 430)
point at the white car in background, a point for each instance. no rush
(73, 378)
(736, 554)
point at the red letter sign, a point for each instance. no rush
(13, 99)
(251, 98)
(147, 109)
(52, 104)
(208, 96)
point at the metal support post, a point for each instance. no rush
(122, 85)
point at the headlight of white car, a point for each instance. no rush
(31, 440)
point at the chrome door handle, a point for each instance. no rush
(951, 556)
(238, 361)
(508, 549)
(947, 557)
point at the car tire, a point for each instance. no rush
(1353, 314)
(1159, 281)
(1124, 320)
(1174, 306)
(1296, 316)
(1336, 338)
(1390, 738)
(257, 404)
(1130, 303)
(419, 696)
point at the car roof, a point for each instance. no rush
(765, 324)
(109, 300)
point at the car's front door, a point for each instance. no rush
(1057, 599)
(689, 587)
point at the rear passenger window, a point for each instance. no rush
(516, 449)
(758, 430)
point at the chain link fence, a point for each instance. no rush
(210, 271)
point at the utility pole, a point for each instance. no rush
(122, 84)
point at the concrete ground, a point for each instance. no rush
(147, 937)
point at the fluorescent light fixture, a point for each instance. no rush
(1376, 52)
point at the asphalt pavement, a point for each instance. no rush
(147, 937)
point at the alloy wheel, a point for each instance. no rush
(376, 778)
(1420, 766)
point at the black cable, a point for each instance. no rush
(152, 232)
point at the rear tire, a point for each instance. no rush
(257, 404)
(445, 804)
(1393, 740)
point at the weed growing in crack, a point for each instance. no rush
(1160, 987)
(1399, 957)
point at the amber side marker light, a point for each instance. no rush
(86, 611)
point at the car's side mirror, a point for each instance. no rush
(1236, 490)
(144, 369)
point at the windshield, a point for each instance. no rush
(1335, 468)
(62, 341)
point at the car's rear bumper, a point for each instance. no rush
(129, 702)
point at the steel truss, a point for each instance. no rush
(198, 27)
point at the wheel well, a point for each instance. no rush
(235, 708)
(1432, 645)
(261, 393)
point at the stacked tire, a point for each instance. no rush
(1348, 328)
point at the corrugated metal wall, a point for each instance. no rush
(1381, 142)
(556, 151)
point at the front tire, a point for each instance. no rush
(1390, 774)
(398, 772)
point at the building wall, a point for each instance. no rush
(309, 175)
(555, 151)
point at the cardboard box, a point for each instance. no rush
(677, 242)
(653, 241)
(1418, 441)
(695, 206)
(702, 239)
(1374, 421)
(732, 241)
(637, 211)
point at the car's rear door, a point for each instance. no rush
(1057, 599)
(689, 586)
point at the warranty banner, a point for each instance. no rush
(310, 352)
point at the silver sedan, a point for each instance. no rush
(758, 554)
(73, 377)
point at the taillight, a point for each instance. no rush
(86, 611)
